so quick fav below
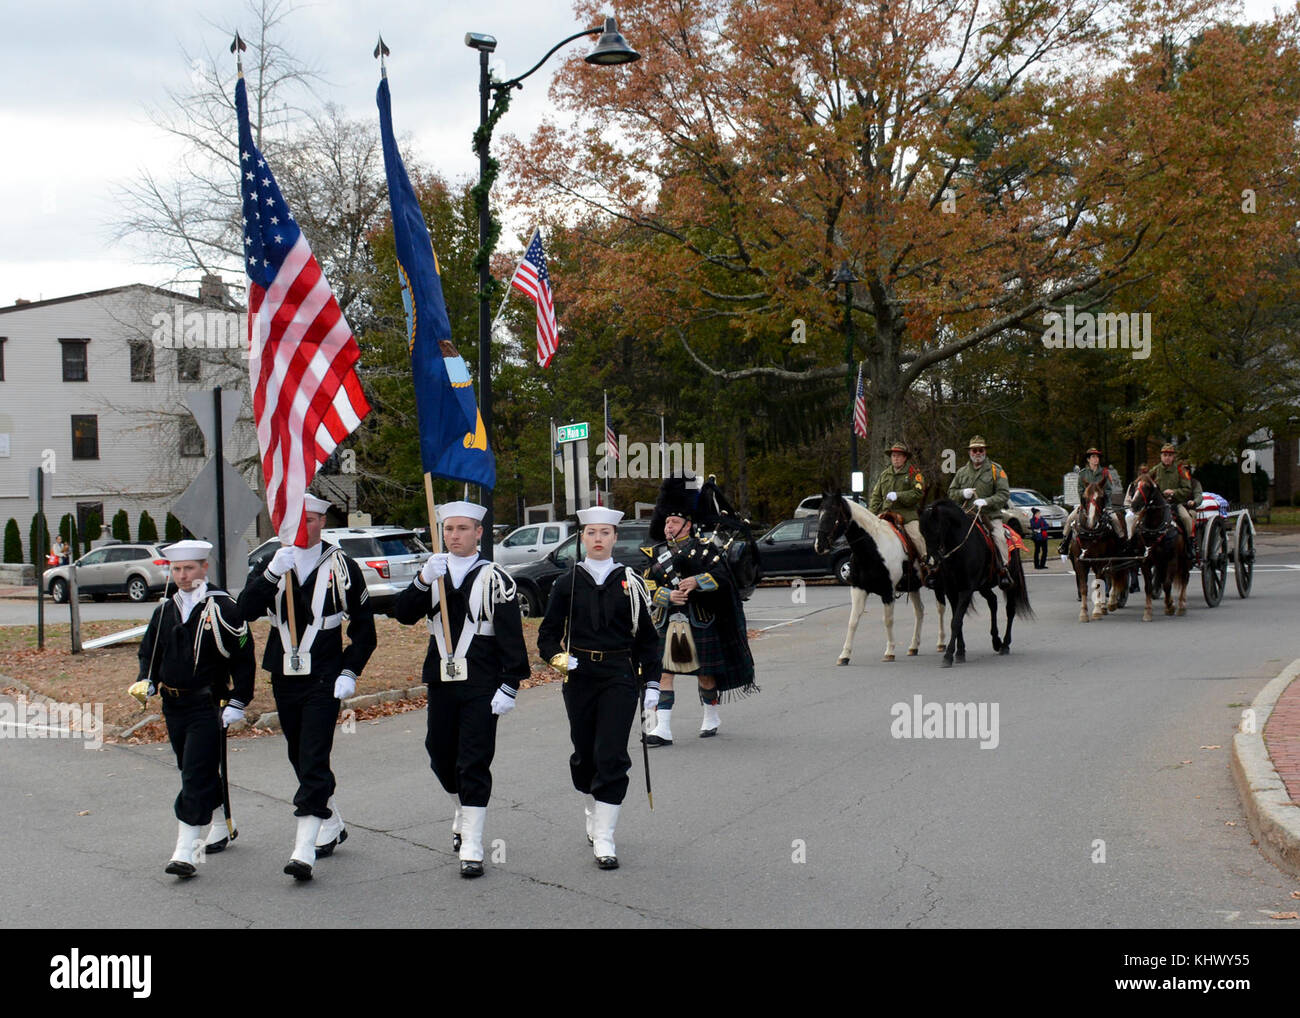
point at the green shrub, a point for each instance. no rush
(121, 526)
(148, 529)
(172, 528)
(13, 542)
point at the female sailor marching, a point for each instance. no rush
(599, 633)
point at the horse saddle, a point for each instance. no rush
(895, 521)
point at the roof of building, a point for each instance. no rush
(170, 294)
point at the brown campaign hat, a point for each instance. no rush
(1169, 447)
(1094, 451)
(900, 447)
(977, 442)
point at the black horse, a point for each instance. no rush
(1167, 561)
(881, 563)
(964, 560)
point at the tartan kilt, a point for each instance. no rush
(708, 648)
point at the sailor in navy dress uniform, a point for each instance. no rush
(329, 590)
(201, 653)
(599, 633)
(481, 677)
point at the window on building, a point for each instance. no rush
(85, 436)
(141, 361)
(188, 365)
(191, 438)
(74, 359)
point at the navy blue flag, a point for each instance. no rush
(453, 442)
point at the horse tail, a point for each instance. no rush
(1019, 594)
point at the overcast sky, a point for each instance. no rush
(77, 77)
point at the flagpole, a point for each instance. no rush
(552, 468)
(605, 394)
(436, 532)
(663, 446)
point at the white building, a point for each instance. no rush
(93, 389)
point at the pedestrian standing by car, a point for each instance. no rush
(1038, 528)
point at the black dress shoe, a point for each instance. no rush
(655, 740)
(607, 862)
(180, 869)
(708, 733)
(297, 869)
(471, 868)
(220, 846)
(326, 850)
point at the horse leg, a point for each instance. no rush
(1148, 580)
(889, 630)
(1168, 582)
(959, 625)
(1081, 584)
(943, 642)
(1094, 584)
(918, 609)
(1011, 617)
(991, 597)
(1116, 577)
(958, 601)
(857, 606)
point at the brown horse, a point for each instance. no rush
(1167, 560)
(1095, 548)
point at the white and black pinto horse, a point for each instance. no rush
(879, 564)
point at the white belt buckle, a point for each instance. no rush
(455, 669)
(304, 663)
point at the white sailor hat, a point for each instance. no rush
(188, 551)
(315, 505)
(599, 514)
(469, 509)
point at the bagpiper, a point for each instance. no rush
(474, 683)
(598, 633)
(197, 653)
(312, 671)
(982, 485)
(698, 610)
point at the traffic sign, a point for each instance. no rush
(571, 433)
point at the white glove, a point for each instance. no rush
(503, 702)
(892, 497)
(345, 685)
(651, 698)
(281, 562)
(1065, 558)
(980, 503)
(229, 715)
(968, 493)
(435, 567)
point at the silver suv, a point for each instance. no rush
(136, 570)
(388, 556)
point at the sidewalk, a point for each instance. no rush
(1266, 767)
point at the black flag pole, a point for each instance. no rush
(237, 47)
(382, 51)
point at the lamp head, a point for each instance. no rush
(612, 48)
(481, 42)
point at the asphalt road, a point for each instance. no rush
(804, 811)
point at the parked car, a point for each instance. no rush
(531, 543)
(1023, 500)
(136, 570)
(388, 556)
(535, 579)
(787, 550)
(812, 505)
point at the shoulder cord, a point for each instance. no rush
(637, 595)
(210, 611)
(498, 587)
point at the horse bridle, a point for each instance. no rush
(1156, 533)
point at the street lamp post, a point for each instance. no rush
(611, 49)
(844, 277)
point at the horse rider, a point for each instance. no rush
(900, 488)
(1093, 473)
(982, 485)
(1175, 481)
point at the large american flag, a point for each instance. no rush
(302, 355)
(860, 408)
(611, 437)
(532, 278)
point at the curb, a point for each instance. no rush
(1274, 820)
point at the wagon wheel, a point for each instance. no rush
(1214, 559)
(1244, 555)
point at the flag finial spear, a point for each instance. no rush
(382, 51)
(237, 47)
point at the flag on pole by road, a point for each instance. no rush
(860, 408)
(611, 439)
(302, 355)
(453, 441)
(533, 279)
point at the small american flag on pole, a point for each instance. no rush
(302, 355)
(611, 439)
(860, 408)
(532, 279)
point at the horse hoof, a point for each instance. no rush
(842, 661)
(912, 652)
(1146, 616)
(1182, 610)
(1083, 617)
(1006, 649)
(961, 658)
(947, 662)
(1169, 611)
(1098, 614)
(939, 647)
(887, 657)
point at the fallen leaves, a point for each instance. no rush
(1285, 915)
(83, 812)
(1211, 747)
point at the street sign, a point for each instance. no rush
(571, 432)
(200, 404)
(197, 509)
